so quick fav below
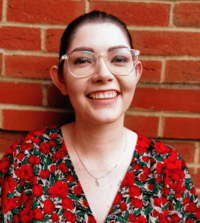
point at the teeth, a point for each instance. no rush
(103, 95)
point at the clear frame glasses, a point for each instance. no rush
(119, 61)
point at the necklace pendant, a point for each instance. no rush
(97, 182)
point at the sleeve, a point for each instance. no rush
(10, 188)
(190, 201)
(178, 196)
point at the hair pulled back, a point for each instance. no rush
(91, 17)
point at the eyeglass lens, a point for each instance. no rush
(119, 62)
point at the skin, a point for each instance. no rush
(98, 38)
(98, 133)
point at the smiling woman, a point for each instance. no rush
(95, 169)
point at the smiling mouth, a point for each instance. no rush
(102, 95)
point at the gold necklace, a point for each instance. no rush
(98, 178)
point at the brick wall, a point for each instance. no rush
(167, 101)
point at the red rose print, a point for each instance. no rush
(24, 173)
(16, 218)
(37, 190)
(44, 174)
(33, 181)
(52, 144)
(145, 159)
(20, 156)
(132, 217)
(137, 203)
(11, 184)
(26, 146)
(58, 190)
(134, 191)
(161, 148)
(77, 191)
(44, 148)
(191, 208)
(186, 200)
(55, 217)
(53, 168)
(53, 136)
(193, 191)
(37, 214)
(67, 203)
(175, 218)
(118, 199)
(69, 216)
(189, 221)
(26, 217)
(34, 160)
(146, 170)
(63, 168)
(91, 219)
(123, 206)
(157, 201)
(129, 179)
(141, 219)
(49, 206)
(143, 177)
(85, 203)
(151, 187)
(198, 214)
(70, 178)
(136, 166)
(4, 164)
(36, 140)
(60, 154)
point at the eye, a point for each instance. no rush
(82, 61)
(119, 60)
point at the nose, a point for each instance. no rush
(102, 73)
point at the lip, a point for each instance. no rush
(103, 97)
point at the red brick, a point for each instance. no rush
(44, 11)
(130, 12)
(53, 37)
(182, 148)
(7, 138)
(195, 177)
(25, 66)
(151, 71)
(181, 128)
(1, 61)
(20, 93)
(56, 99)
(22, 38)
(182, 71)
(166, 42)
(163, 99)
(30, 120)
(187, 14)
(147, 126)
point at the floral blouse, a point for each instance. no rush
(38, 183)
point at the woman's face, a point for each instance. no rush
(84, 92)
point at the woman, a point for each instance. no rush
(94, 169)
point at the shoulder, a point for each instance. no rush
(35, 143)
(156, 149)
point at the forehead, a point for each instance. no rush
(99, 37)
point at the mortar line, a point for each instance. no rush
(4, 11)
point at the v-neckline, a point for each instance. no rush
(79, 183)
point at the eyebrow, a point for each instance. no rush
(92, 50)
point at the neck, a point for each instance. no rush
(98, 139)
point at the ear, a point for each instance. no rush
(138, 70)
(58, 80)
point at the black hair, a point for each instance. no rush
(91, 17)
